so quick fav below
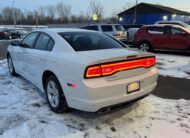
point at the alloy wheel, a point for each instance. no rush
(10, 65)
(144, 47)
(53, 93)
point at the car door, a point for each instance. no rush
(157, 37)
(38, 54)
(177, 39)
(23, 56)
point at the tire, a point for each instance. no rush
(11, 66)
(146, 47)
(188, 52)
(55, 96)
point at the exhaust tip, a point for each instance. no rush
(104, 111)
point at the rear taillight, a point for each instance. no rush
(111, 68)
(117, 35)
(94, 71)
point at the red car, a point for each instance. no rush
(166, 37)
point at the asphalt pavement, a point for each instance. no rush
(173, 88)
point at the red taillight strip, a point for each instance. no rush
(93, 72)
(111, 68)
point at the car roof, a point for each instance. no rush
(167, 25)
(101, 24)
(59, 30)
(163, 25)
(169, 22)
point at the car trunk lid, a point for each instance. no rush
(115, 55)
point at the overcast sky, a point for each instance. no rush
(82, 5)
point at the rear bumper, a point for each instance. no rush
(104, 94)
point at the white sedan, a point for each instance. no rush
(82, 69)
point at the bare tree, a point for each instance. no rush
(74, 19)
(7, 13)
(29, 17)
(63, 11)
(127, 6)
(96, 8)
(42, 13)
(51, 12)
(1, 18)
(18, 14)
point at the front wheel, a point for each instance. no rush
(11, 66)
(145, 47)
(55, 95)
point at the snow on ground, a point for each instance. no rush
(24, 113)
(174, 65)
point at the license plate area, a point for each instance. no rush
(133, 87)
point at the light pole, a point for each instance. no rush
(13, 12)
(135, 16)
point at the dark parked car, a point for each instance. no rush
(10, 34)
(167, 37)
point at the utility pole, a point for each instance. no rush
(37, 19)
(135, 16)
(13, 12)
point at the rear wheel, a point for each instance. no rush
(188, 51)
(55, 95)
(11, 66)
(145, 47)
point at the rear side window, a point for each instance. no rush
(50, 45)
(156, 30)
(176, 31)
(42, 42)
(86, 41)
(107, 28)
(94, 28)
(119, 28)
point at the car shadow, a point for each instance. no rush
(172, 53)
(117, 112)
(172, 88)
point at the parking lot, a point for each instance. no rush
(89, 69)
(25, 113)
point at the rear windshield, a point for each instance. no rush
(119, 28)
(107, 28)
(94, 28)
(86, 41)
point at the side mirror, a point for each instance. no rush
(15, 43)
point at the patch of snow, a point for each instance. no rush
(24, 112)
(173, 65)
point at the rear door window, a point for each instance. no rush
(50, 45)
(42, 42)
(176, 31)
(106, 28)
(156, 30)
